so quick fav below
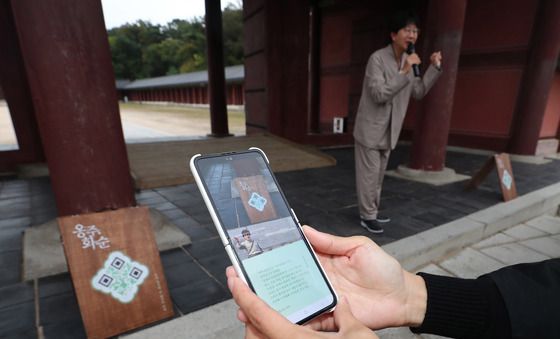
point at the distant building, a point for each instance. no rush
(189, 88)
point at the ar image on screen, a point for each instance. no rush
(264, 235)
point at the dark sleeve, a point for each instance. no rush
(531, 293)
(464, 308)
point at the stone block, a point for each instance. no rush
(470, 263)
(43, 254)
(546, 223)
(217, 321)
(523, 232)
(546, 245)
(511, 254)
(496, 239)
(420, 249)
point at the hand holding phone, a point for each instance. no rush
(270, 251)
(263, 322)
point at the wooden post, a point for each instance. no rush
(445, 31)
(68, 65)
(216, 75)
(537, 79)
(505, 175)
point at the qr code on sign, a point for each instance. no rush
(257, 201)
(120, 277)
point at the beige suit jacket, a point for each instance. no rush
(385, 97)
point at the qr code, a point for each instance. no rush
(257, 201)
(507, 179)
(120, 277)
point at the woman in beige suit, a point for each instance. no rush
(388, 84)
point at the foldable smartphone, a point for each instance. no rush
(261, 233)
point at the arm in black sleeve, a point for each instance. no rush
(531, 293)
(464, 308)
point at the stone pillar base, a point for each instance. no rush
(43, 254)
(437, 178)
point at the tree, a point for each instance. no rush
(126, 55)
(192, 35)
(141, 49)
(232, 25)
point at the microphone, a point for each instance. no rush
(415, 67)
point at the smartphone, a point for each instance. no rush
(261, 233)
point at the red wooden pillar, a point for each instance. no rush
(216, 74)
(17, 94)
(444, 32)
(66, 54)
(537, 78)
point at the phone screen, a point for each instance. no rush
(255, 217)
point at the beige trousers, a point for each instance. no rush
(370, 170)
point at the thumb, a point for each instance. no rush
(264, 319)
(331, 244)
(343, 317)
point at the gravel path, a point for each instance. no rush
(148, 121)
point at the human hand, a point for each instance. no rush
(261, 321)
(380, 292)
(435, 59)
(412, 59)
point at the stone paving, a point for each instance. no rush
(535, 240)
(324, 198)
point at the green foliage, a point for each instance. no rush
(142, 50)
(232, 22)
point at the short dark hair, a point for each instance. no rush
(401, 19)
(244, 232)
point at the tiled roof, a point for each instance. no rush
(233, 74)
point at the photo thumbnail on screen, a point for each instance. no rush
(249, 204)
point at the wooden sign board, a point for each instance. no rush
(116, 270)
(505, 175)
(255, 198)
